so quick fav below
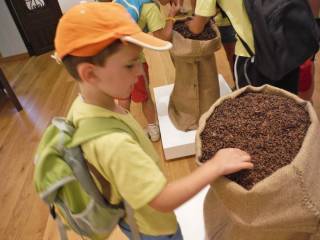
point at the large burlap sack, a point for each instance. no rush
(283, 206)
(196, 81)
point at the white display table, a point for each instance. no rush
(190, 217)
(177, 143)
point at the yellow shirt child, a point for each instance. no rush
(238, 16)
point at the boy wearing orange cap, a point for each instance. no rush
(100, 46)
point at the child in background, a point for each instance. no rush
(150, 20)
(100, 46)
(245, 73)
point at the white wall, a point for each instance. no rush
(66, 4)
(11, 42)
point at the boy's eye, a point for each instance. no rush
(133, 64)
(129, 66)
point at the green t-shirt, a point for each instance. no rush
(151, 18)
(130, 165)
(236, 11)
(221, 21)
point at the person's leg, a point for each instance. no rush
(241, 74)
(193, 5)
(229, 49)
(149, 113)
(289, 82)
(228, 39)
(148, 109)
(141, 93)
(247, 74)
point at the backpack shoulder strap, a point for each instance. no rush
(107, 192)
(97, 127)
(70, 140)
(91, 128)
(73, 156)
(246, 46)
(105, 185)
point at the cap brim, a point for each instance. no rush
(147, 41)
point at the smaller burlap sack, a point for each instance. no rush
(196, 81)
(283, 206)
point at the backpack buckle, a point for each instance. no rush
(52, 211)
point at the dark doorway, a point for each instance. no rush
(36, 21)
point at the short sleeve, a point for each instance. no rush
(153, 17)
(205, 8)
(135, 175)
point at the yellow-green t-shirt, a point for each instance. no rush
(130, 165)
(238, 16)
(221, 21)
(150, 20)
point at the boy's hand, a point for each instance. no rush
(230, 160)
(175, 8)
(225, 161)
(196, 24)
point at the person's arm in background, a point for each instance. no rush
(225, 161)
(203, 10)
(193, 5)
(196, 25)
(166, 32)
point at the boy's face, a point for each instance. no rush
(120, 72)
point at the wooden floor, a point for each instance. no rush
(45, 90)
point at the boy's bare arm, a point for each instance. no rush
(196, 25)
(166, 32)
(225, 161)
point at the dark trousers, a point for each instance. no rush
(245, 73)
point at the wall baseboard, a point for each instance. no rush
(14, 58)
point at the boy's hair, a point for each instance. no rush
(71, 62)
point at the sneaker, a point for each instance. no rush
(153, 132)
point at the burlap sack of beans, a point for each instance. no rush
(196, 84)
(283, 206)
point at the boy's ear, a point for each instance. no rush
(86, 72)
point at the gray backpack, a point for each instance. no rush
(61, 170)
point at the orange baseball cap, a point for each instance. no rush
(88, 28)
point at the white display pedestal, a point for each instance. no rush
(177, 143)
(190, 217)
